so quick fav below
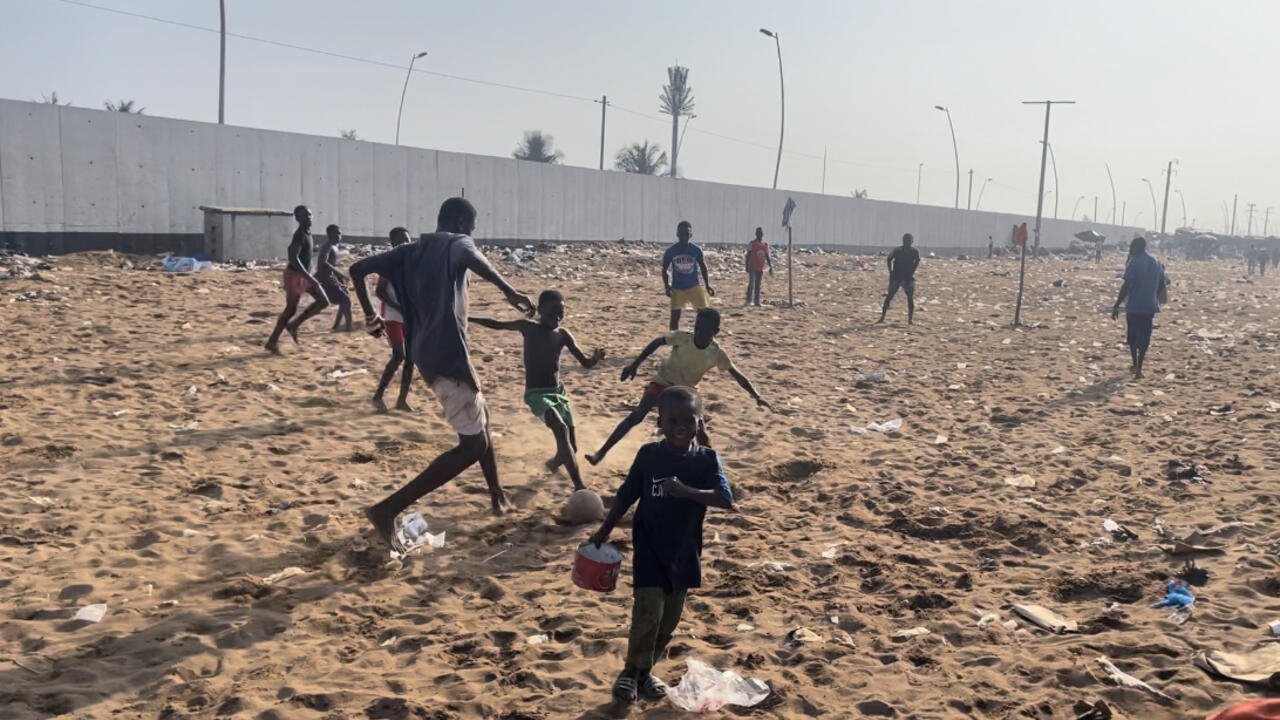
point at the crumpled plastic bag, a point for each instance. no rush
(704, 688)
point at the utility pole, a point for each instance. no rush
(968, 204)
(1168, 178)
(824, 169)
(1044, 150)
(1054, 161)
(1095, 209)
(1249, 231)
(1113, 194)
(1266, 219)
(1235, 199)
(919, 177)
(604, 105)
(222, 62)
(1124, 208)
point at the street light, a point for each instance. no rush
(782, 92)
(1154, 213)
(405, 90)
(1074, 207)
(954, 148)
(980, 191)
(919, 177)
(1184, 207)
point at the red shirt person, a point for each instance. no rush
(757, 260)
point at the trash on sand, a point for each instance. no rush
(831, 550)
(91, 613)
(411, 534)
(1177, 595)
(1118, 531)
(1083, 710)
(177, 264)
(878, 376)
(1260, 666)
(913, 632)
(886, 426)
(745, 627)
(704, 688)
(987, 619)
(284, 574)
(1020, 481)
(1124, 679)
(801, 635)
(539, 639)
(1227, 409)
(1182, 470)
(1275, 628)
(940, 440)
(1194, 541)
(339, 374)
(1045, 618)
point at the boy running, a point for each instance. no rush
(331, 280)
(430, 280)
(757, 260)
(544, 393)
(394, 322)
(684, 261)
(299, 280)
(674, 482)
(692, 355)
(903, 262)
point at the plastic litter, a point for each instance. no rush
(1118, 531)
(178, 264)
(284, 574)
(1275, 628)
(91, 613)
(913, 632)
(411, 534)
(801, 635)
(1021, 481)
(539, 639)
(704, 688)
(884, 427)
(1124, 679)
(1045, 618)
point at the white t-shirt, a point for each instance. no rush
(389, 313)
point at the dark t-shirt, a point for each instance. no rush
(302, 238)
(667, 534)
(430, 280)
(903, 262)
(685, 264)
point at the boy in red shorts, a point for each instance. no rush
(299, 280)
(394, 323)
(692, 355)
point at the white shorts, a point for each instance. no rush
(464, 407)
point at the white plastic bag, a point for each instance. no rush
(411, 534)
(704, 688)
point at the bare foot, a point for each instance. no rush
(594, 459)
(378, 404)
(293, 332)
(503, 506)
(553, 464)
(385, 526)
(401, 404)
(272, 347)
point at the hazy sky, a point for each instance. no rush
(1154, 80)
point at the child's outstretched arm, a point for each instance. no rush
(629, 372)
(587, 362)
(499, 324)
(745, 384)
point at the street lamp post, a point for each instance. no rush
(1154, 213)
(405, 90)
(222, 61)
(1075, 207)
(1184, 207)
(954, 149)
(978, 205)
(919, 177)
(782, 92)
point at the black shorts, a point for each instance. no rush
(1138, 335)
(908, 286)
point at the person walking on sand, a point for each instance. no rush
(903, 262)
(299, 280)
(394, 322)
(332, 281)
(430, 281)
(545, 395)
(1251, 255)
(681, 264)
(757, 260)
(1144, 289)
(671, 483)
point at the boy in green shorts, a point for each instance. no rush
(692, 355)
(544, 393)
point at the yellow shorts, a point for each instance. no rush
(694, 296)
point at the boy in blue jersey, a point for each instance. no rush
(674, 482)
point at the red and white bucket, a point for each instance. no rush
(596, 568)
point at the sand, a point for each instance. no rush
(156, 460)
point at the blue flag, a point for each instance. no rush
(786, 212)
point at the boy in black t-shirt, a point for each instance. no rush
(674, 481)
(903, 262)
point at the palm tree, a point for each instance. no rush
(124, 106)
(348, 134)
(536, 147)
(676, 100)
(641, 158)
(52, 99)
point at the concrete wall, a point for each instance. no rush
(71, 170)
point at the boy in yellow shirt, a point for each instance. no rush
(692, 355)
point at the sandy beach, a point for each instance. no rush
(158, 461)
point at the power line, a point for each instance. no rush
(462, 78)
